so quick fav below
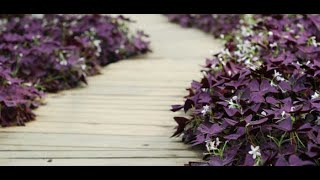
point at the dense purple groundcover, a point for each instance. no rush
(222, 24)
(17, 99)
(56, 52)
(259, 101)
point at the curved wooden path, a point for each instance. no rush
(122, 117)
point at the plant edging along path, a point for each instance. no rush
(56, 52)
(258, 103)
(122, 117)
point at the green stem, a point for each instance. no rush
(223, 148)
(299, 140)
(281, 139)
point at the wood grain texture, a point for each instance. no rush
(122, 117)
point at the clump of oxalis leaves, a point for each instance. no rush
(56, 52)
(258, 103)
(218, 25)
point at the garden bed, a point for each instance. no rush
(258, 102)
(49, 53)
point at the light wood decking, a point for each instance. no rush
(122, 117)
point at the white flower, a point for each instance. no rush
(81, 59)
(253, 67)
(96, 43)
(263, 113)
(92, 29)
(29, 84)
(318, 121)
(315, 95)
(270, 33)
(212, 145)
(63, 63)
(217, 142)
(278, 76)
(204, 89)
(204, 73)
(225, 52)
(9, 82)
(232, 105)
(234, 98)
(205, 109)
(299, 64)
(300, 26)
(222, 36)
(308, 63)
(255, 152)
(83, 67)
(255, 59)
(238, 53)
(273, 45)
(246, 31)
(276, 73)
(283, 113)
(292, 108)
(313, 41)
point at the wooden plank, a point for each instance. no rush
(101, 139)
(67, 95)
(91, 141)
(79, 128)
(8, 147)
(112, 102)
(103, 154)
(169, 123)
(98, 162)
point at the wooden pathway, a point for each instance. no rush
(122, 117)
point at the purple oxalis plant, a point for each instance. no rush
(222, 24)
(56, 52)
(258, 103)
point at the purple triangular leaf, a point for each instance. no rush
(230, 111)
(285, 125)
(281, 162)
(175, 108)
(294, 160)
(230, 121)
(258, 122)
(182, 122)
(240, 132)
